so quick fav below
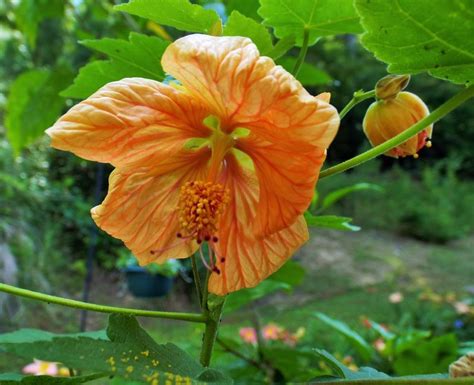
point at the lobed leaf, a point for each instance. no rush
(318, 17)
(180, 14)
(415, 36)
(138, 57)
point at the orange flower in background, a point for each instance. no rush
(230, 156)
(248, 335)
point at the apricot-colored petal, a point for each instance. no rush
(129, 122)
(287, 177)
(246, 90)
(248, 259)
(141, 207)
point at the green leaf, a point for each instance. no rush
(14, 379)
(418, 36)
(337, 195)
(288, 276)
(240, 25)
(138, 57)
(32, 335)
(180, 14)
(330, 222)
(246, 7)
(320, 18)
(296, 365)
(282, 47)
(309, 75)
(129, 352)
(34, 104)
(30, 13)
(355, 339)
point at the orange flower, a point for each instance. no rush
(230, 156)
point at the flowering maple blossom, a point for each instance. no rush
(229, 157)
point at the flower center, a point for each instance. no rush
(201, 205)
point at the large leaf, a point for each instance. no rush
(318, 17)
(418, 36)
(180, 14)
(138, 57)
(15, 379)
(355, 339)
(30, 13)
(308, 75)
(34, 104)
(129, 352)
(246, 7)
(330, 222)
(337, 195)
(240, 25)
(288, 276)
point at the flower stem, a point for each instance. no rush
(197, 279)
(436, 115)
(302, 55)
(358, 97)
(406, 381)
(190, 317)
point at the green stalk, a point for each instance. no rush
(358, 97)
(436, 115)
(190, 317)
(302, 55)
(406, 381)
(197, 279)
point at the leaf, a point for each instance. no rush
(282, 47)
(32, 335)
(34, 104)
(14, 379)
(386, 334)
(138, 57)
(129, 352)
(337, 195)
(180, 14)
(330, 222)
(320, 18)
(296, 365)
(245, 7)
(288, 276)
(309, 75)
(418, 36)
(30, 13)
(356, 340)
(240, 25)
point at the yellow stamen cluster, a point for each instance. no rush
(201, 206)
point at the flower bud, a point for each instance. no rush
(387, 118)
(389, 86)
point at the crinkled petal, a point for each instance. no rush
(246, 90)
(287, 180)
(141, 207)
(129, 122)
(248, 259)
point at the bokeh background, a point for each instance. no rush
(410, 268)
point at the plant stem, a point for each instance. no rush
(212, 310)
(358, 97)
(197, 279)
(190, 317)
(436, 115)
(406, 381)
(303, 52)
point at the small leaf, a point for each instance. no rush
(337, 195)
(180, 14)
(308, 75)
(14, 379)
(282, 47)
(138, 57)
(330, 222)
(129, 352)
(34, 104)
(401, 34)
(320, 18)
(356, 340)
(248, 8)
(240, 25)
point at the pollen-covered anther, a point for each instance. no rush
(201, 205)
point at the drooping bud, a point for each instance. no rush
(388, 117)
(389, 86)
(464, 367)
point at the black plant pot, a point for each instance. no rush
(143, 284)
